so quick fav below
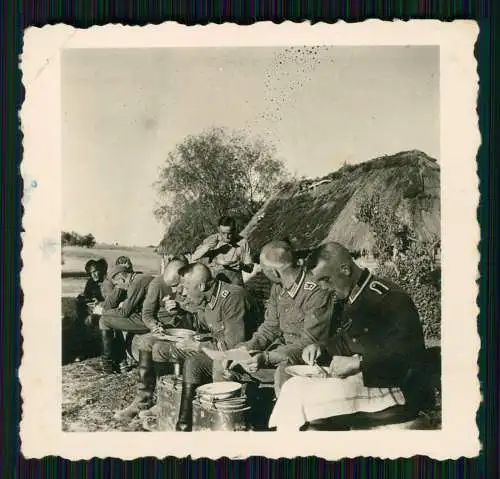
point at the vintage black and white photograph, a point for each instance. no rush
(250, 238)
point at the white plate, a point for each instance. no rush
(219, 390)
(175, 334)
(305, 371)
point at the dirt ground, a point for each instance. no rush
(91, 397)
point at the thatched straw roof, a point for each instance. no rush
(313, 211)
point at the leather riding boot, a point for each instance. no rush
(161, 369)
(185, 422)
(107, 363)
(145, 388)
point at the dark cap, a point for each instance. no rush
(117, 269)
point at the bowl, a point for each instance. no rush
(219, 390)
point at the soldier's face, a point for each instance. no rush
(192, 290)
(269, 273)
(332, 278)
(226, 233)
(94, 274)
(121, 281)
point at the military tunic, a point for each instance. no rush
(154, 314)
(229, 317)
(294, 318)
(380, 322)
(128, 317)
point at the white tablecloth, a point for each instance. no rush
(307, 399)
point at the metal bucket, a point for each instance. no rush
(224, 415)
(169, 393)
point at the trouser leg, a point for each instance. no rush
(116, 325)
(165, 352)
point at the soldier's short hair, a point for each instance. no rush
(328, 252)
(181, 259)
(195, 267)
(227, 221)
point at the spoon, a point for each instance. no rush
(322, 370)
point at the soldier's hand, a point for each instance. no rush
(171, 305)
(157, 330)
(343, 366)
(97, 310)
(311, 353)
(212, 241)
(255, 363)
(88, 321)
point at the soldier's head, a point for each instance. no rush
(196, 282)
(276, 260)
(125, 261)
(121, 276)
(227, 229)
(96, 269)
(334, 269)
(171, 273)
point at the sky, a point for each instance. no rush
(125, 109)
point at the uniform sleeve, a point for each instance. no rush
(318, 311)
(233, 311)
(202, 250)
(402, 340)
(269, 330)
(151, 306)
(135, 295)
(112, 295)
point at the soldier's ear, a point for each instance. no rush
(346, 270)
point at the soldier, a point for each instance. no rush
(227, 252)
(227, 312)
(376, 349)
(298, 313)
(160, 309)
(127, 316)
(99, 292)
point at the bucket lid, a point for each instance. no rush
(218, 389)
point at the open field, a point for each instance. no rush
(75, 257)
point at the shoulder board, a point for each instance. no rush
(310, 286)
(224, 293)
(378, 287)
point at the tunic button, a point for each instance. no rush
(365, 330)
(354, 340)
